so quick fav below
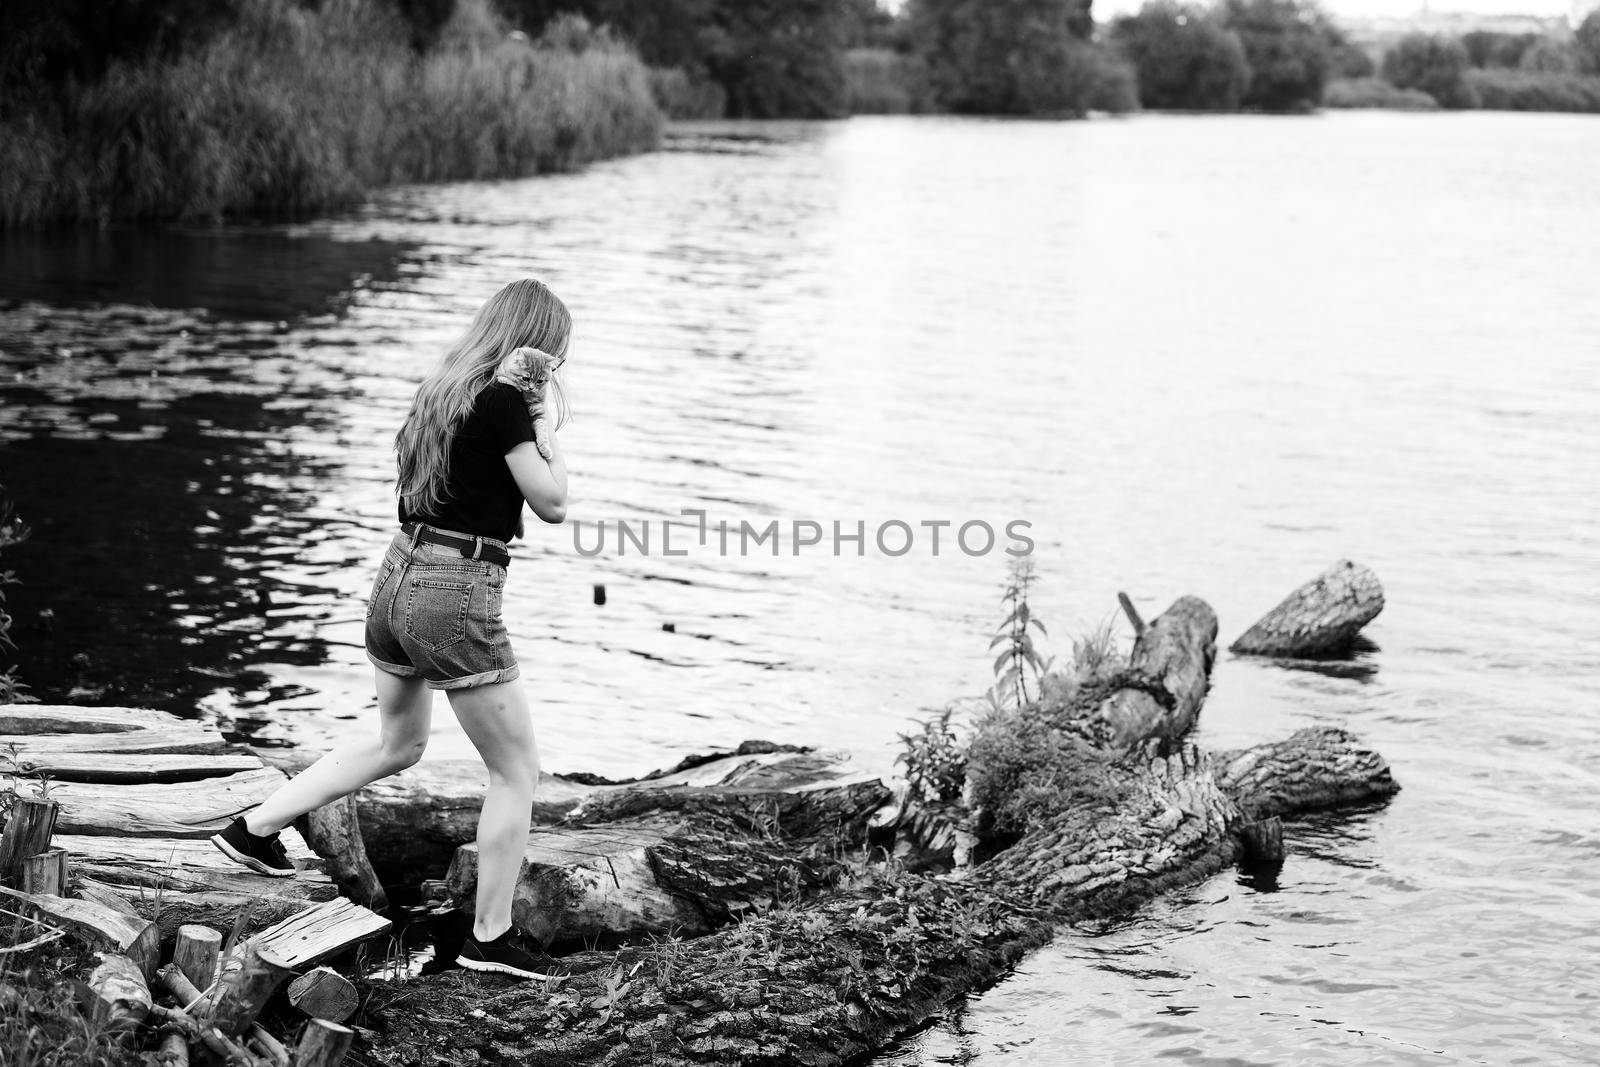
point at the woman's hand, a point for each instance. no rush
(528, 370)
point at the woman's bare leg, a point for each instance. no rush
(406, 709)
(497, 720)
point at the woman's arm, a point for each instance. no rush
(543, 482)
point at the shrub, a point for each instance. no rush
(1488, 48)
(1435, 64)
(1375, 92)
(1289, 48)
(1184, 58)
(882, 81)
(1016, 57)
(1353, 61)
(681, 95)
(1549, 57)
(1586, 44)
(293, 110)
(1517, 90)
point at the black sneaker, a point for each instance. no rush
(263, 854)
(510, 953)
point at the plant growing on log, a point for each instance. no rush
(40, 779)
(935, 760)
(1018, 658)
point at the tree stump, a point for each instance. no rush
(29, 826)
(195, 953)
(1321, 618)
(323, 1044)
(45, 873)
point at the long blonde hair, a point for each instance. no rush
(523, 314)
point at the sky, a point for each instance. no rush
(1368, 8)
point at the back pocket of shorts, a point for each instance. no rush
(436, 612)
(377, 585)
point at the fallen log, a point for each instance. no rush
(136, 767)
(198, 809)
(413, 822)
(828, 979)
(97, 925)
(684, 859)
(179, 881)
(122, 996)
(323, 993)
(1321, 618)
(334, 831)
(247, 980)
(55, 729)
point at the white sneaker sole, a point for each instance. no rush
(249, 861)
(501, 968)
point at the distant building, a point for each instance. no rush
(1378, 32)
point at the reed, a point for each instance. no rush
(293, 110)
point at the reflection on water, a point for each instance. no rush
(1199, 357)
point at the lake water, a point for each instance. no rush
(1196, 355)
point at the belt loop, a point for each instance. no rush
(477, 547)
(416, 535)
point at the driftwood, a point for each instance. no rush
(198, 809)
(413, 822)
(178, 881)
(247, 980)
(195, 1031)
(270, 1047)
(100, 927)
(122, 996)
(334, 831)
(135, 767)
(324, 994)
(28, 828)
(323, 1044)
(195, 953)
(50, 730)
(684, 859)
(45, 873)
(1321, 618)
(174, 1051)
(823, 980)
(319, 931)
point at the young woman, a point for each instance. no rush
(474, 447)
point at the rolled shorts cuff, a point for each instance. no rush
(393, 668)
(506, 674)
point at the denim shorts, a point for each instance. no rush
(435, 614)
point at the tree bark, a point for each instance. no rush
(334, 831)
(824, 980)
(1320, 618)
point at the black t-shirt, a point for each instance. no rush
(481, 496)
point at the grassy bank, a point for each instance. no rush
(291, 110)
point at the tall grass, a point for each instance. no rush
(292, 110)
